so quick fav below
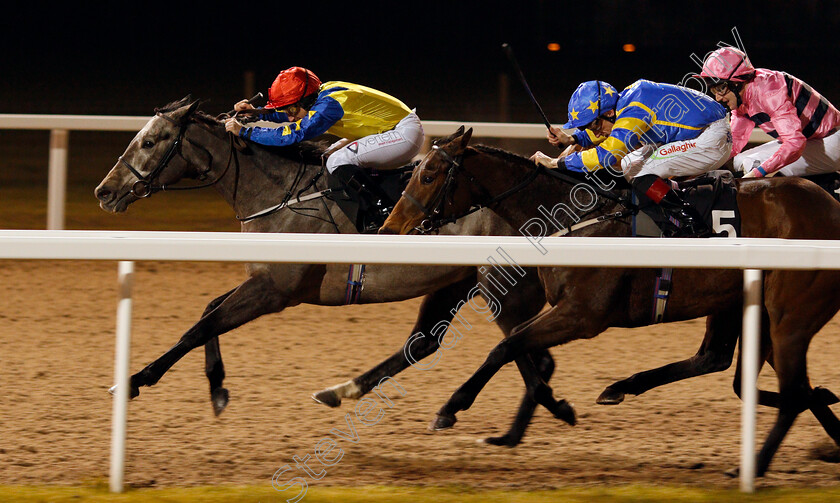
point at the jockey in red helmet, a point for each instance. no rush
(801, 120)
(377, 130)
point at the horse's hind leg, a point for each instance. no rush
(795, 316)
(214, 368)
(436, 307)
(250, 300)
(715, 355)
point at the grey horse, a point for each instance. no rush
(180, 142)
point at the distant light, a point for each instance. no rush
(554, 47)
(629, 48)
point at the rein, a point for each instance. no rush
(432, 223)
(146, 185)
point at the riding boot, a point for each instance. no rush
(679, 218)
(358, 185)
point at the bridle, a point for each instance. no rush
(434, 222)
(436, 206)
(146, 185)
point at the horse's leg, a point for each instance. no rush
(214, 368)
(436, 307)
(715, 355)
(820, 398)
(545, 367)
(253, 298)
(795, 316)
(794, 393)
(555, 326)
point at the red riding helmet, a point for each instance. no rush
(291, 86)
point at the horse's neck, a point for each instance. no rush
(551, 200)
(247, 188)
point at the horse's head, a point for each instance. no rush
(433, 193)
(156, 157)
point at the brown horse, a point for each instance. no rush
(586, 301)
(180, 142)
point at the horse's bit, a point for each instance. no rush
(145, 186)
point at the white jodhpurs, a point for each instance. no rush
(821, 155)
(709, 151)
(388, 150)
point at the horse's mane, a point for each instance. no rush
(501, 153)
(517, 159)
(308, 152)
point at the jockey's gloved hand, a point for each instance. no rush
(757, 172)
(544, 160)
(559, 138)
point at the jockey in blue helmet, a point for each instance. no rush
(647, 132)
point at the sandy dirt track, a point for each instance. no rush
(56, 363)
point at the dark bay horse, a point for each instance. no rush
(181, 142)
(586, 301)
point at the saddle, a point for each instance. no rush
(712, 194)
(367, 196)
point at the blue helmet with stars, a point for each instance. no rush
(590, 100)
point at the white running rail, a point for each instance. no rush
(752, 255)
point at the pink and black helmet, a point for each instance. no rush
(728, 64)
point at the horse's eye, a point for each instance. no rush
(148, 144)
(427, 180)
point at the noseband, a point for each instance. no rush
(433, 220)
(146, 185)
(432, 212)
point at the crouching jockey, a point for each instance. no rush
(652, 132)
(378, 131)
(803, 122)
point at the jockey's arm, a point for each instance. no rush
(625, 137)
(786, 122)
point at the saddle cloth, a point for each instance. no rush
(713, 194)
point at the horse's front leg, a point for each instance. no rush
(214, 368)
(553, 327)
(250, 300)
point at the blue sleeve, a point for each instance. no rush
(574, 162)
(582, 138)
(275, 116)
(323, 114)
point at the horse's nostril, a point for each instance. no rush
(103, 194)
(386, 230)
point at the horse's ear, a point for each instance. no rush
(466, 138)
(186, 110)
(459, 132)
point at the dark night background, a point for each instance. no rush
(444, 58)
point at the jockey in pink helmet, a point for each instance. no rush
(801, 120)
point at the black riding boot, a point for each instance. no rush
(678, 218)
(372, 203)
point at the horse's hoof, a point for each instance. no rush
(825, 396)
(442, 422)
(565, 411)
(327, 397)
(133, 391)
(219, 397)
(503, 441)
(826, 451)
(733, 473)
(610, 397)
